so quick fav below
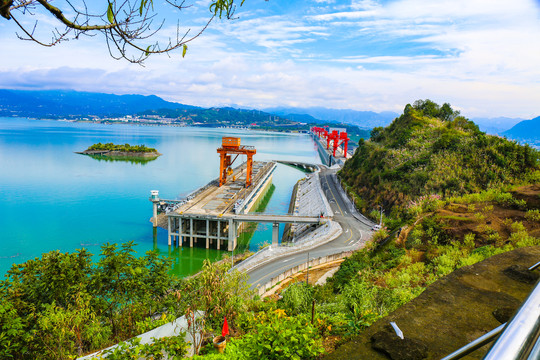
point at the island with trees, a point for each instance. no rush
(110, 151)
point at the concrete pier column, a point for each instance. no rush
(154, 213)
(180, 232)
(169, 229)
(191, 232)
(275, 233)
(218, 235)
(207, 233)
(154, 198)
(232, 235)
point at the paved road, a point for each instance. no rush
(356, 229)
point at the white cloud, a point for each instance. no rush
(272, 32)
(481, 56)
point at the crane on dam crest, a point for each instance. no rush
(231, 146)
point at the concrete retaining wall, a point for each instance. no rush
(263, 289)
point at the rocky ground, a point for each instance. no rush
(451, 312)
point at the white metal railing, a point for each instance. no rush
(519, 338)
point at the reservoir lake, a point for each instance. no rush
(54, 199)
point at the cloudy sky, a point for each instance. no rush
(482, 56)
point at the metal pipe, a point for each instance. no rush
(534, 266)
(521, 334)
(476, 344)
(535, 352)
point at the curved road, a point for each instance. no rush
(356, 230)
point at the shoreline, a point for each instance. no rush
(150, 123)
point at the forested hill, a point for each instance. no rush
(62, 103)
(432, 150)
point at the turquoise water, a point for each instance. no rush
(52, 198)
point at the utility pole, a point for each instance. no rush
(307, 272)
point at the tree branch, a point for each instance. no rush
(126, 24)
(60, 16)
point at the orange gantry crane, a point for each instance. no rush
(231, 146)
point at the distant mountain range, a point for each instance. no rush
(72, 104)
(496, 126)
(61, 103)
(526, 131)
(362, 119)
(69, 103)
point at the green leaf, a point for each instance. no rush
(184, 50)
(110, 15)
(143, 4)
(147, 52)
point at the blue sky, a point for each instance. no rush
(482, 56)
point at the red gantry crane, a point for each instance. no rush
(335, 136)
(231, 146)
(344, 140)
(332, 137)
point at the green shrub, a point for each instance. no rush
(298, 298)
(14, 340)
(360, 300)
(533, 215)
(349, 269)
(448, 261)
(391, 299)
(172, 347)
(278, 337)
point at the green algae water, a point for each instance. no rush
(54, 199)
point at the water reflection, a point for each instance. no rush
(142, 160)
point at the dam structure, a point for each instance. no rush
(215, 214)
(332, 144)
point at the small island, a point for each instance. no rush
(120, 152)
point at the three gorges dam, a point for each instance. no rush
(214, 215)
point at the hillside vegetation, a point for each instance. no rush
(433, 151)
(455, 196)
